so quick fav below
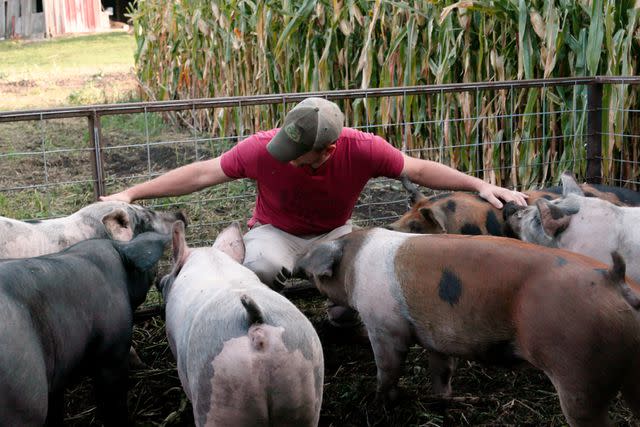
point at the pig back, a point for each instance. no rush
(67, 300)
(451, 282)
(236, 373)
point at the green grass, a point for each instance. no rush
(78, 70)
(69, 56)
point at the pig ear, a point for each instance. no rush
(180, 249)
(321, 259)
(435, 219)
(231, 243)
(414, 194)
(145, 250)
(569, 185)
(118, 225)
(554, 219)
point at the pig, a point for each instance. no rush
(468, 213)
(245, 355)
(491, 299)
(586, 225)
(69, 314)
(116, 220)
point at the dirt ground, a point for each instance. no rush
(483, 395)
(81, 89)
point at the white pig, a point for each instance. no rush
(246, 356)
(585, 225)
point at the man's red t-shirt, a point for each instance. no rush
(301, 200)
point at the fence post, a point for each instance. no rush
(594, 133)
(95, 134)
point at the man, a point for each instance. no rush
(309, 176)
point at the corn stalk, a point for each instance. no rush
(194, 48)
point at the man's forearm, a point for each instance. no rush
(438, 176)
(177, 182)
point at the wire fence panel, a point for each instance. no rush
(516, 134)
(621, 137)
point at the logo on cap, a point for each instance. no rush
(292, 132)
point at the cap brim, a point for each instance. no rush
(283, 149)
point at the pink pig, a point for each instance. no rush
(246, 356)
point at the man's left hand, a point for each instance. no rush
(494, 194)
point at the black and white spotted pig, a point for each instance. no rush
(114, 220)
(246, 356)
(70, 314)
(468, 213)
(586, 225)
(492, 299)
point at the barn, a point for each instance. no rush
(50, 18)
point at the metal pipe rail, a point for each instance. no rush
(234, 101)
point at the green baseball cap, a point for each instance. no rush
(313, 124)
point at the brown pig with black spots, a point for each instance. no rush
(490, 299)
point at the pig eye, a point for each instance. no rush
(415, 227)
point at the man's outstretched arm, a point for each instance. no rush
(438, 176)
(183, 180)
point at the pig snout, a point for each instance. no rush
(299, 272)
(393, 226)
(511, 214)
(510, 209)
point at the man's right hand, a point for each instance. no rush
(116, 197)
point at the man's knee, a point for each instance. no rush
(265, 270)
(342, 316)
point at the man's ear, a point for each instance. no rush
(554, 219)
(329, 149)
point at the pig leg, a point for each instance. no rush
(55, 410)
(135, 363)
(110, 382)
(631, 395)
(582, 408)
(441, 368)
(390, 350)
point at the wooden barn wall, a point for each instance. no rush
(19, 19)
(59, 17)
(72, 16)
(3, 26)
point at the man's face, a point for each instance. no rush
(313, 158)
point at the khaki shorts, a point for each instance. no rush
(269, 249)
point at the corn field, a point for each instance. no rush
(189, 49)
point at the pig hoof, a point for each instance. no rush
(393, 395)
(388, 398)
(135, 363)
